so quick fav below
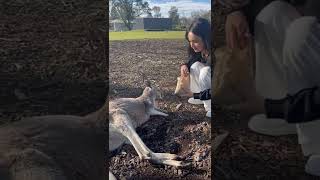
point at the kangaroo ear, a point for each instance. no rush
(147, 83)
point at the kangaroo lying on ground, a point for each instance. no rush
(66, 147)
(125, 115)
(55, 147)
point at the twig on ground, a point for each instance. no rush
(218, 140)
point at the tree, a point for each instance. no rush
(128, 10)
(201, 13)
(113, 14)
(185, 22)
(173, 14)
(156, 10)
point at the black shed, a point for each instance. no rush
(152, 24)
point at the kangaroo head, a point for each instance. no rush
(150, 94)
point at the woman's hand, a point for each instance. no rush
(184, 70)
(237, 30)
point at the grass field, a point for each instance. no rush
(141, 34)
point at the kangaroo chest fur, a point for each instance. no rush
(136, 109)
(128, 113)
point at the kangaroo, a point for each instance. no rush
(67, 147)
(125, 115)
(55, 147)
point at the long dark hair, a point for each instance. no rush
(202, 28)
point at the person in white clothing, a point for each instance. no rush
(287, 44)
(198, 65)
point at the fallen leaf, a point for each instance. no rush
(218, 140)
(178, 106)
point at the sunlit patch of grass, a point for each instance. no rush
(141, 35)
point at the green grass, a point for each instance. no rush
(141, 35)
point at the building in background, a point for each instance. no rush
(117, 25)
(152, 24)
(147, 24)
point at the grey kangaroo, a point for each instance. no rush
(67, 147)
(125, 115)
(55, 147)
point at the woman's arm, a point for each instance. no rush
(237, 29)
(185, 67)
(192, 60)
(240, 20)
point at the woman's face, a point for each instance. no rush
(195, 42)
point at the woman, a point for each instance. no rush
(287, 41)
(199, 63)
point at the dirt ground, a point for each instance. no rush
(245, 154)
(52, 58)
(53, 62)
(186, 131)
